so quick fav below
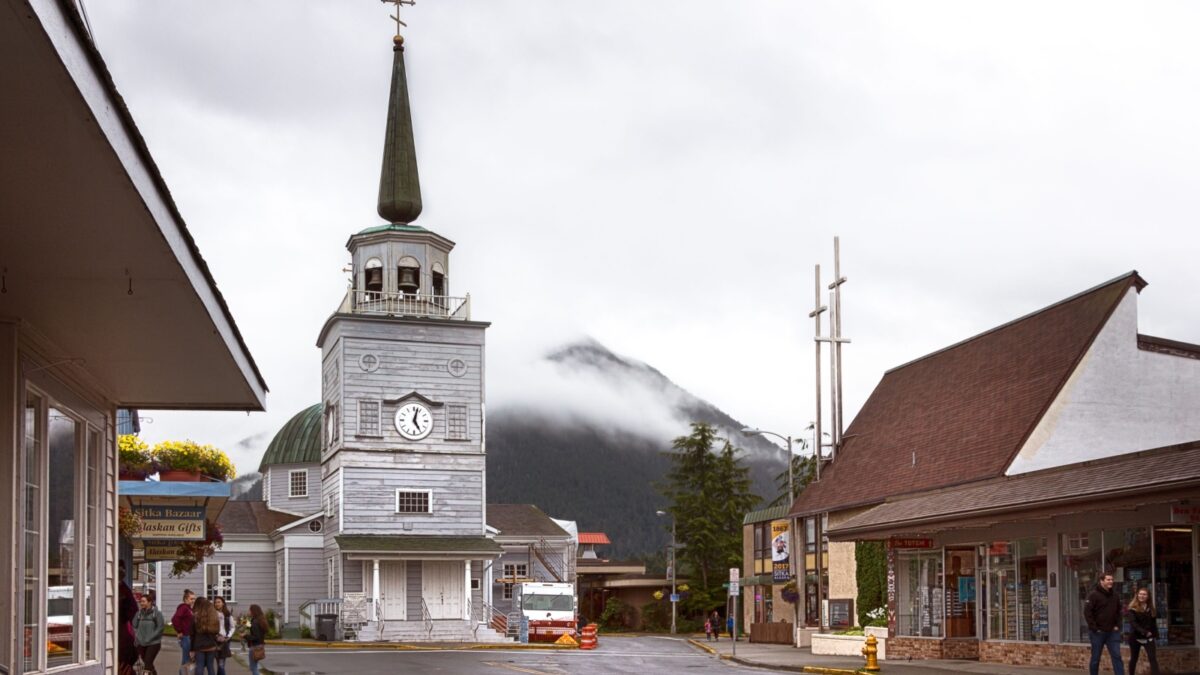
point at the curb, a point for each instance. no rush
(401, 646)
(701, 645)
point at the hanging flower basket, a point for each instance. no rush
(789, 593)
(192, 553)
(129, 522)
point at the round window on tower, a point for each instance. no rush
(314, 526)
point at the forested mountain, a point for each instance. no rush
(589, 467)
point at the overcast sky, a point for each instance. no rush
(663, 176)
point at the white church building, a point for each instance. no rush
(375, 500)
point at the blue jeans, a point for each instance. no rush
(206, 662)
(185, 646)
(1112, 640)
(253, 663)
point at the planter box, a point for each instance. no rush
(845, 645)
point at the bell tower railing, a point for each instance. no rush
(417, 305)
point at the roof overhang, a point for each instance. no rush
(97, 259)
(416, 546)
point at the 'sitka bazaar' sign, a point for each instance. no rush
(176, 523)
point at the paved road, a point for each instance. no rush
(624, 655)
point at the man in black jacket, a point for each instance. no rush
(1103, 613)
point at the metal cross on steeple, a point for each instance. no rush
(396, 18)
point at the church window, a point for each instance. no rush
(414, 501)
(314, 526)
(331, 425)
(330, 506)
(456, 421)
(368, 417)
(298, 483)
(439, 283)
(373, 276)
(218, 580)
(512, 573)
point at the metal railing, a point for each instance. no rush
(552, 560)
(406, 304)
(483, 613)
(323, 606)
(427, 618)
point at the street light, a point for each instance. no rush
(791, 523)
(674, 597)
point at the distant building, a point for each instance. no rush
(765, 615)
(1007, 472)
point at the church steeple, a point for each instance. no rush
(399, 187)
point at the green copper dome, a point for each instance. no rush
(298, 441)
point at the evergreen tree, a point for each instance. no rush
(803, 471)
(709, 494)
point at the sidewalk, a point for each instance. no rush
(783, 657)
(167, 662)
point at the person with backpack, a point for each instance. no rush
(205, 627)
(148, 627)
(182, 621)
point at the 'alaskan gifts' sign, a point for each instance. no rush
(154, 551)
(174, 523)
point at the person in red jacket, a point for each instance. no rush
(1103, 613)
(182, 623)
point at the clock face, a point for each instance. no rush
(414, 421)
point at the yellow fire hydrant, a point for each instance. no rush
(871, 652)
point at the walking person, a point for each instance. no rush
(708, 630)
(127, 608)
(1143, 622)
(148, 629)
(1103, 614)
(257, 637)
(182, 623)
(205, 627)
(225, 635)
(716, 625)
(729, 627)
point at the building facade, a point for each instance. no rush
(1007, 472)
(91, 245)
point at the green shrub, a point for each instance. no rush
(616, 615)
(306, 632)
(656, 615)
(870, 569)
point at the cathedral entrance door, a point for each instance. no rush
(442, 587)
(392, 593)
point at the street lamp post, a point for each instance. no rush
(672, 563)
(791, 524)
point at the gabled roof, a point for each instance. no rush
(252, 517)
(298, 440)
(763, 515)
(522, 520)
(962, 413)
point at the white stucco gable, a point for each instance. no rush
(1119, 399)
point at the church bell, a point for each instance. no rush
(408, 280)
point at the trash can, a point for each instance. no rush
(327, 627)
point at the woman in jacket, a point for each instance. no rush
(225, 634)
(1143, 630)
(182, 623)
(205, 628)
(147, 630)
(256, 638)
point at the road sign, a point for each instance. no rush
(674, 597)
(735, 574)
(735, 588)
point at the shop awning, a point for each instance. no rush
(1153, 476)
(420, 545)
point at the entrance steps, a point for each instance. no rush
(447, 630)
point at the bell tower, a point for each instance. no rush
(402, 460)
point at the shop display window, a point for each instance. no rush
(1173, 591)
(1018, 605)
(920, 598)
(961, 594)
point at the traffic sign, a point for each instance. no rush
(735, 574)
(735, 588)
(674, 597)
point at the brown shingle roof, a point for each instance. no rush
(252, 517)
(961, 414)
(1147, 472)
(522, 520)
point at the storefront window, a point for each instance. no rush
(920, 599)
(1081, 561)
(1127, 556)
(1018, 605)
(35, 432)
(1173, 592)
